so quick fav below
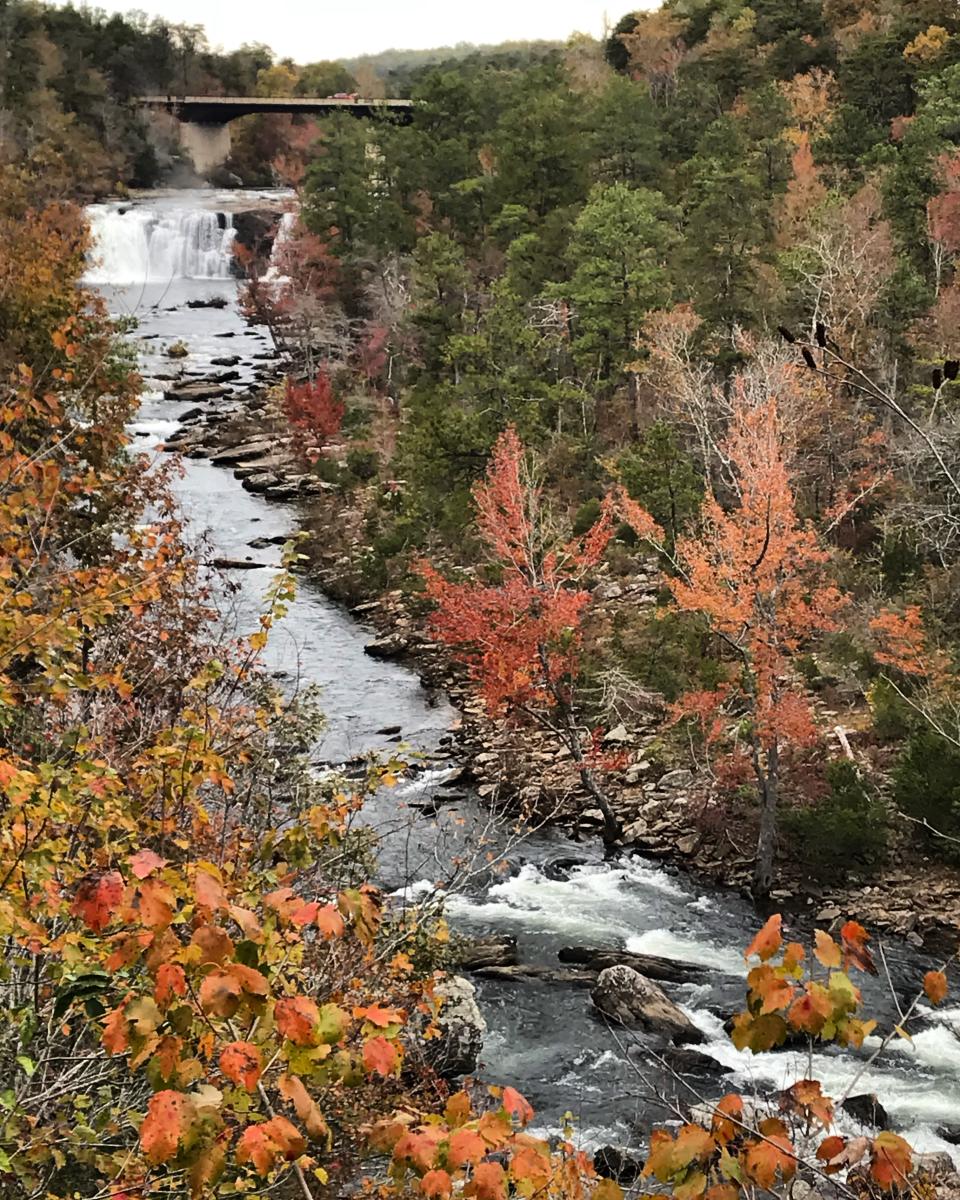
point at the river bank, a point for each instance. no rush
(662, 805)
(542, 888)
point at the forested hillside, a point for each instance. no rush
(726, 234)
(619, 389)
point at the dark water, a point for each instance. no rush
(542, 1038)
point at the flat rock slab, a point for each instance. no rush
(195, 392)
(246, 452)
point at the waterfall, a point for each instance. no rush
(275, 274)
(139, 244)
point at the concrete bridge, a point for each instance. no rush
(205, 120)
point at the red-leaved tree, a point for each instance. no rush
(521, 637)
(312, 409)
(755, 572)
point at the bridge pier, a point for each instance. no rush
(207, 143)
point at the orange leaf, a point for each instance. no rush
(935, 986)
(764, 1159)
(768, 941)
(97, 898)
(827, 951)
(209, 890)
(241, 1063)
(465, 1147)
(297, 1018)
(292, 1089)
(728, 1113)
(116, 1033)
(436, 1185)
(215, 944)
(257, 1148)
(892, 1160)
(169, 1115)
(144, 862)
(329, 922)
(854, 938)
(517, 1105)
(381, 1017)
(488, 1183)
(379, 1055)
(156, 904)
(220, 993)
(171, 981)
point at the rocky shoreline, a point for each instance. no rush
(662, 811)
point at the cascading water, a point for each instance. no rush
(275, 272)
(142, 244)
(542, 1037)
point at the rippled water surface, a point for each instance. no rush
(542, 1037)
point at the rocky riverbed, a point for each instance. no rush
(572, 916)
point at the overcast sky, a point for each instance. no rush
(308, 30)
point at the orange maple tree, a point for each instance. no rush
(756, 573)
(521, 636)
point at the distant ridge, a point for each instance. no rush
(398, 59)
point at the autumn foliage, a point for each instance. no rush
(313, 411)
(756, 574)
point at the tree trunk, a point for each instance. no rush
(767, 839)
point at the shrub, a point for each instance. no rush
(588, 514)
(927, 783)
(850, 822)
(363, 464)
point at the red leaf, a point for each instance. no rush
(97, 898)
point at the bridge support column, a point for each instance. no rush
(207, 144)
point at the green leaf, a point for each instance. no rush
(27, 1064)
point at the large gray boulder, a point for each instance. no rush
(628, 998)
(462, 1030)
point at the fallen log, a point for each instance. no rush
(477, 954)
(651, 965)
(536, 973)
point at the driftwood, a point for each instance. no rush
(650, 965)
(535, 973)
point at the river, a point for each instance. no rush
(153, 256)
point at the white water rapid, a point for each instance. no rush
(551, 893)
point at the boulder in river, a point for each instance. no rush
(627, 998)
(391, 646)
(613, 1163)
(868, 1110)
(202, 389)
(462, 1030)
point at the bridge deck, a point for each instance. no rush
(215, 110)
